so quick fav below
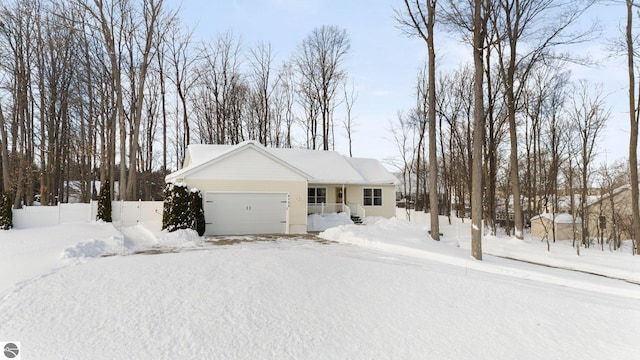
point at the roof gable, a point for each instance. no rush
(320, 167)
(244, 161)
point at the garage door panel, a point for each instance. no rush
(245, 213)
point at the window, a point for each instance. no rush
(317, 195)
(372, 197)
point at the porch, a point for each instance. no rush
(355, 211)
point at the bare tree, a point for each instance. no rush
(402, 138)
(479, 31)
(470, 18)
(517, 21)
(543, 103)
(4, 151)
(633, 121)
(419, 19)
(221, 91)
(319, 63)
(183, 77)
(589, 115)
(261, 62)
(287, 95)
(153, 16)
(454, 111)
(420, 119)
(350, 97)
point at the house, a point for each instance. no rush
(251, 189)
(611, 215)
(563, 225)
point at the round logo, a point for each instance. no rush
(11, 350)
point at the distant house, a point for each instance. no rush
(563, 225)
(611, 214)
(251, 189)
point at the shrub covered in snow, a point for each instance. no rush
(104, 202)
(197, 212)
(182, 209)
(6, 214)
(167, 206)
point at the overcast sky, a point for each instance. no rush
(383, 62)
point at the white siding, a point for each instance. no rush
(247, 164)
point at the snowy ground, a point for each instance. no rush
(382, 290)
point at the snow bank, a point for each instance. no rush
(393, 233)
(321, 222)
(133, 239)
(399, 237)
(618, 264)
(28, 253)
(94, 248)
(179, 238)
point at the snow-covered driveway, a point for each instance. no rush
(302, 299)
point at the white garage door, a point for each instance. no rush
(240, 213)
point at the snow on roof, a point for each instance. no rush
(201, 153)
(323, 167)
(614, 192)
(562, 218)
(372, 170)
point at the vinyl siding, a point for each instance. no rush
(355, 195)
(247, 164)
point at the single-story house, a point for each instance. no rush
(252, 189)
(543, 225)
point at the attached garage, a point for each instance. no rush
(250, 189)
(237, 213)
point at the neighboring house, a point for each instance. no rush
(251, 189)
(562, 224)
(564, 202)
(611, 214)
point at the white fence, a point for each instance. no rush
(124, 213)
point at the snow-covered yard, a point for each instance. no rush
(382, 290)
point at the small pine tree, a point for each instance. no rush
(181, 215)
(167, 207)
(6, 213)
(197, 212)
(104, 202)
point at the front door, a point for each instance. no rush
(341, 195)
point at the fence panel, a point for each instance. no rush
(124, 214)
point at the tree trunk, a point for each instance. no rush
(4, 153)
(633, 120)
(478, 132)
(433, 155)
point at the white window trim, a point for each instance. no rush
(316, 196)
(373, 197)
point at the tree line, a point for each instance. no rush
(512, 132)
(116, 89)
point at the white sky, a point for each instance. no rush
(383, 62)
